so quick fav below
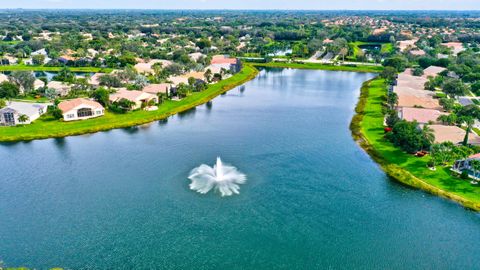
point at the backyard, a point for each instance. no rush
(411, 170)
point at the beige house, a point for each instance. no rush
(138, 97)
(155, 89)
(94, 81)
(144, 67)
(3, 78)
(453, 134)
(61, 88)
(80, 109)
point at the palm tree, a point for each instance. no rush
(469, 121)
(22, 118)
(428, 135)
(208, 75)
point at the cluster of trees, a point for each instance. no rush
(410, 137)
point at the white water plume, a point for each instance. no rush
(223, 178)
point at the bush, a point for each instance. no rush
(464, 175)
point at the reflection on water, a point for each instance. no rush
(188, 114)
(209, 105)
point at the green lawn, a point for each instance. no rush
(356, 68)
(13, 42)
(369, 122)
(47, 127)
(385, 47)
(54, 69)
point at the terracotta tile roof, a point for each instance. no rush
(156, 88)
(222, 59)
(68, 105)
(422, 116)
(432, 71)
(452, 134)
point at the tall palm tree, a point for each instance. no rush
(428, 134)
(469, 121)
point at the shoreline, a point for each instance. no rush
(12, 68)
(394, 171)
(47, 128)
(317, 66)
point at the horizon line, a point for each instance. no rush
(233, 9)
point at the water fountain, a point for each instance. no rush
(223, 178)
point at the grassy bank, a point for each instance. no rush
(53, 69)
(367, 129)
(47, 127)
(355, 68)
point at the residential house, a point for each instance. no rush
(422, 116)
(433, 71)
(9, 115)
(222, 61)
(94, 81)
(138, 97)
(144, 67)
(3, 78)
(155, 89)
(457, 47)
(453, 134)
(37, 84)
(80, 109)
(42, 52)
(61, 89)
(466, 165)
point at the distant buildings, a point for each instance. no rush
(12, 114)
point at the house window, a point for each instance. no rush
(9, 118)
(70, 115)
(85, 112)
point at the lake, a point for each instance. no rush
(313, 199)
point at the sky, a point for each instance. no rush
(248, 4)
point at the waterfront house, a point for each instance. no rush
(141, 99)
(453, 134)
(422, 116)
(409, 97)
(222, 61)
(10, 115)
(466, 165)
(80, 109)
(155, 89)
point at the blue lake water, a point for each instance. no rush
(313, 199)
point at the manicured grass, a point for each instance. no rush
(385, 47)
(13, 42)
(367, 128)
(356, 68)
(47, 127)
(53, 69)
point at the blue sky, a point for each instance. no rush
(248, 4)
